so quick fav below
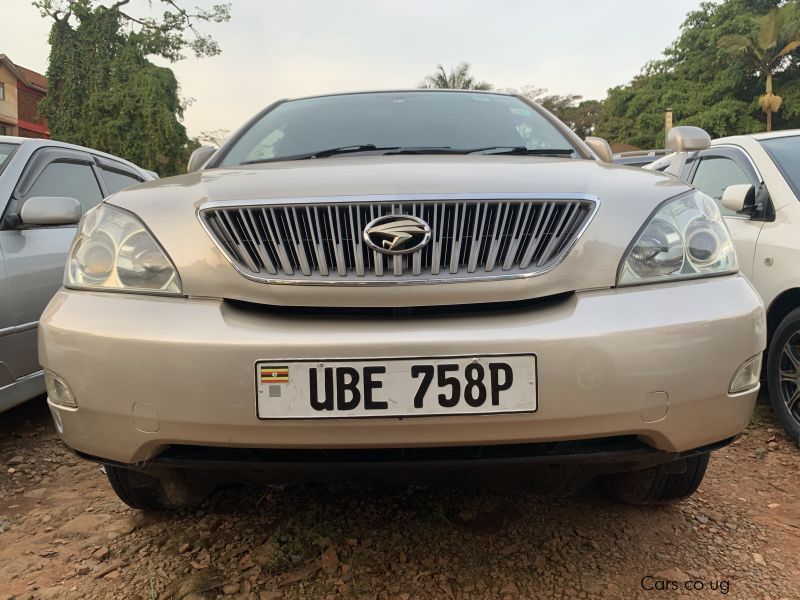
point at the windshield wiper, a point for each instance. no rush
(521, 151)
(324, 153)
(392, 150)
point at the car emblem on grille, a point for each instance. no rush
(397, 234)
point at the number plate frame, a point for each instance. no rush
(528, 405)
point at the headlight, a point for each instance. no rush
(114, 251)
(685, 238)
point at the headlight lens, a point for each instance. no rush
(685, 238)
(114, 251)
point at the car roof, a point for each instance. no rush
(764, 135)
(36, 143)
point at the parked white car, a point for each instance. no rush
(755, 180)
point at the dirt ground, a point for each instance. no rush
(63, 534)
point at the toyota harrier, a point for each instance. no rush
(403, 285)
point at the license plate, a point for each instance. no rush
(397, 387)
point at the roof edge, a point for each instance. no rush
(15, 70)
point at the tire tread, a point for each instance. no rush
(662, 484)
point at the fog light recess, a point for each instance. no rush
(58, 391)
(747, 376)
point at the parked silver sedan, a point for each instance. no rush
(33, 250)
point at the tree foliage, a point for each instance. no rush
(767, 49)
(459, 78)
(702, 85)
(579, 115)
(214, 137)
(104, 92)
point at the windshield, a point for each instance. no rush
(6, 150)
(396, 120)
(785, 153)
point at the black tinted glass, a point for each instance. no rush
(406, 119)
(68, 179)
(785, 152)
(715, 174)
(117, 181)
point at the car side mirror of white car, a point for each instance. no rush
(600, 147)
(199, 157)
(50, 210)
(683, 140)
(739, 198)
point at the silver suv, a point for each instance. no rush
(399, 282)
(35, 174)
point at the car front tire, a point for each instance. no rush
(783, 373)
(662, 484)
(142, 491)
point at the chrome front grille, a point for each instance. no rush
(320, 240)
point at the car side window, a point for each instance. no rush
(117, 180)
(73, 180)
(714, 174)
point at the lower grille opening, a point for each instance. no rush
(206, 454)
(459, 310)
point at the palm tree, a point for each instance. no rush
(777, 34)
(459, 79)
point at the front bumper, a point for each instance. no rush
(653, 362)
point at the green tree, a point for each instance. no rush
(702, 85)
(104, 92)
(578, 114)
(775, 36)
(459, 78)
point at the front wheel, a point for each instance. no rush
(142, 491)
(783, 373)
(662, 484)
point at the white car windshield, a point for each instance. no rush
(785, 152)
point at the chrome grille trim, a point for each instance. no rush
(475, 237)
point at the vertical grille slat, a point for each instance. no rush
(297, 240)
(522, 215)
(322, 263)
(499, 222)
(416, 257)
(239, 242)
(544, 215)
(438, 228)
(336, 241)
(355, 237)
(470, 239)
(475, 245)
(250, 223)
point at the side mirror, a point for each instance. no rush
(682, 140)
(199, 157)
(688, 139)
(739, 198)
(50, 210)
(600, 147)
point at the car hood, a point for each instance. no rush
(626, 196)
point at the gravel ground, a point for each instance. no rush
(63, 534)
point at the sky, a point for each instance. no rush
(274, 49)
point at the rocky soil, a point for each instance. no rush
(63, 534)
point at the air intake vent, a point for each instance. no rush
(322, 240)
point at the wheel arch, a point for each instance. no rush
(781, 306)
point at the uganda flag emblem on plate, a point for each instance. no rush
(274, 374)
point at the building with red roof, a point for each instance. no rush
(21, 92)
